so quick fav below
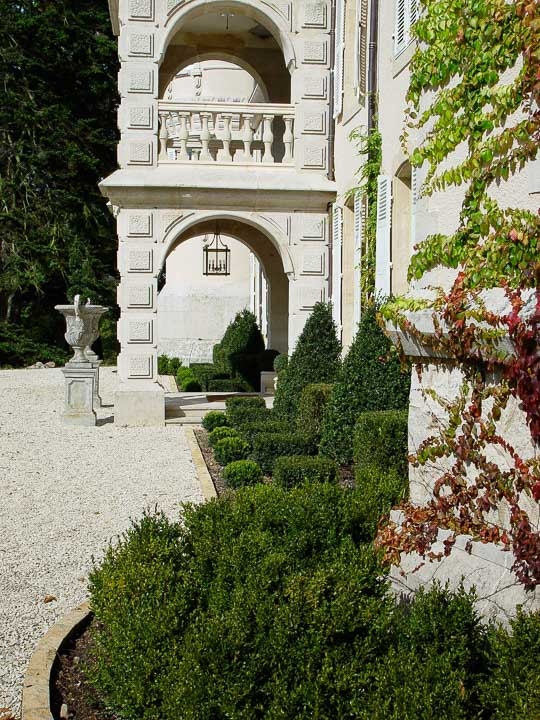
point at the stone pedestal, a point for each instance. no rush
(140, 408)
(268, 381)
(96, 364)
(79, 394)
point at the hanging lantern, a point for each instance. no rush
(217, 256)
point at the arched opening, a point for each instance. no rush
(401, 228)
(225, 90)
(231, 35)
(194, 311)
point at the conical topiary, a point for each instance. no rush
(370, 378)
(316, 359)
(242, 337)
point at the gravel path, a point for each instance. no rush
(64, 493)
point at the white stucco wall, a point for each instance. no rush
(193, 310)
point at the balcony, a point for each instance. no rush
(221, 133)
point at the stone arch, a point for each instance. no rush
(269, 250)
(168, 76)
(269, 17)
(276, 236)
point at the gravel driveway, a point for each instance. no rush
(64, 493)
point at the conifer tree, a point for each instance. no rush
(316, 359)
(370, 379)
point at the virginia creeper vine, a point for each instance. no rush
(473, 102)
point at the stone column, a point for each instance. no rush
(139, 400)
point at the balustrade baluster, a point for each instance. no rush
(183, 135)
(247, 138)
(225, 154)
(268, 139)
(163, 136)
(288, 138)
(205, 155)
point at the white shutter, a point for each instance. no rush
(339, 58)
(360, 48)
(401, 28)
(413, 14)
(383, 248)
(414, 204)
(337, 253)
(358, 240)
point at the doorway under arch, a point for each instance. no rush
(270, 261)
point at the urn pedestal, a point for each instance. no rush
(82, 371)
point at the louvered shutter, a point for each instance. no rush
(358, 240)
(414, 203)
(413, 14)
(337, 253)
(401, 28)
(383, 249)
(339, 58)
(360, 48)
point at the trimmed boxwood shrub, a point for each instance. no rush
(205, 373)
(311, 409)
(267, 447)
(273, 599)
(381, 439)
(173, 366)
(229, 385)
(241, 336)
(264, 599)
(229, 449)
(163, 365)
(219, 433)
(381, 489)
(371, 378)
(214, 419)
(316, 359)
(241, 410)
(186, 380)
(242, 473)
(290, 471)
(250, 430)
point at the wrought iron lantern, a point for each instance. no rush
(217, 256)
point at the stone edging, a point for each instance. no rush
(36, 697)
(203, 476)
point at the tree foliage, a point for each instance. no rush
(316, 359)
(58, 67)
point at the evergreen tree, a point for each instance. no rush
(370, 378)
(58, 68)
(316, 359)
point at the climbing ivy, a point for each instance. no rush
(368, 145)
(473, 122)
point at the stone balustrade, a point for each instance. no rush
(255, 133)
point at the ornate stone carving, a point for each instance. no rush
(313, 228)
(310, 296)
(141, 44)
(140, 117)
(141, 81)
(313, 264)
(315, 123)
(315, 52)
(140, 296)
(140, 261)
(141, 9)
(140, 225)
(140, 366)
(315, 14)
(314, 157)
(140, 153)
(140, 331)
(315, 87)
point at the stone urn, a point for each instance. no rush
(82, 329)
(82, 371)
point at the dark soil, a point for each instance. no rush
(214, 468)
(70, 685)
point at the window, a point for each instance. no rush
(339, 58)
(406, 16)
(360, 48)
